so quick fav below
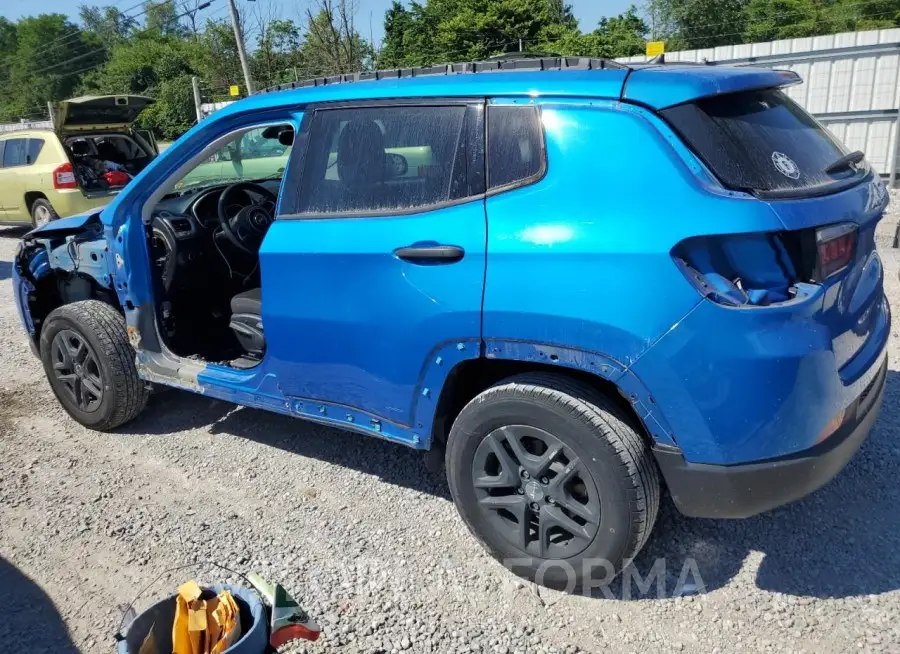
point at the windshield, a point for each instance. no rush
(254, 155)
(762, 141)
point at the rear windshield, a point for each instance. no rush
(761, 141)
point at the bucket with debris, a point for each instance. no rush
(217, 619)
(200, 621)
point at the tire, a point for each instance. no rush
(97, 384)
(42, 212)
(596, 446)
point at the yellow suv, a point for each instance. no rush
(89, 156)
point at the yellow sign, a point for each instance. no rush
(235, 90)
(655, 48)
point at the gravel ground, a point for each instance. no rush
(371, 545)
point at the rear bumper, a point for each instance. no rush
(70, 202)
(739, 491)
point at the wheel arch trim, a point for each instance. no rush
(433, 384)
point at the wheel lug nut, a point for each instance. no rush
(520, 490)
(545, 481)
(534, 506)
(525, 475)
(550, 500)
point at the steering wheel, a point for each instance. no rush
(248, 226)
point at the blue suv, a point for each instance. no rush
(582, 282)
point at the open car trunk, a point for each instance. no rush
(96, 113)
(104, 149)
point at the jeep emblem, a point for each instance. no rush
(785, 165)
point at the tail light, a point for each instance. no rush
(834, 249)
(765, 268)
(738, 269)
(64, 177)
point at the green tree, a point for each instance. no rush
(691, 24)
(173, 114)
(217, 62)
(107, 23)
(768, 20)
(331, 44)
(156, 65)
(460, 30)
(8, 38)
(278, 53)
(51, 53)
(164, 18)
(399, 30)
(617, 36)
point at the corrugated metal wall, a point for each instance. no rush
(850, 83)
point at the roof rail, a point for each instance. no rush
(660, 60)
(509, 56)
(490, 66)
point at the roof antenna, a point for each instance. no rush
(658, 59)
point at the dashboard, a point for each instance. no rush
(185, 234)
(195, 213)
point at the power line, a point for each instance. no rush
(793, 12)
(67, 61)
(147, 7)
(77, 32)
(101, 49)
(745, 31)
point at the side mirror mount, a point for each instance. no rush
(286, 137)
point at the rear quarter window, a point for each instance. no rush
(33, 150)
(515, 146)
(760, 141)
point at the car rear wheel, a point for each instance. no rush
(552, 480)
(42, 212)
(90, 364)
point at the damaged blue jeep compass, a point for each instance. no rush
(581, 282)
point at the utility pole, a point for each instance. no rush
(51, 114)
(239, 37)
(520, 45)
(195, 82)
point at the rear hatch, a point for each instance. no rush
(99, 113)
(829, 200)
(103, 149)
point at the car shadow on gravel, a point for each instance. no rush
(15, 232)
(29, 616)
(173, 411)
(842, 541)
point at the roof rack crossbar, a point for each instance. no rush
(461, 68)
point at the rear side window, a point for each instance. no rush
(14, 153)
(760, 141)
(384, 159)
(515, 145)
(33, 150)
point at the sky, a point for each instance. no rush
(588, 12)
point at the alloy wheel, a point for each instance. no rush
(534, 490)
(75, 367)
(42, 216)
